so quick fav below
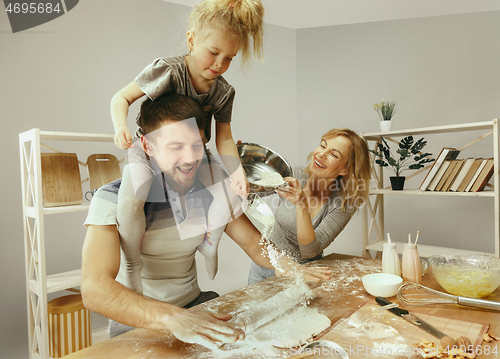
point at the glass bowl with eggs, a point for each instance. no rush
(474, 276)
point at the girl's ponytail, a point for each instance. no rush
(244, 18)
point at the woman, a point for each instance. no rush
(315, 208)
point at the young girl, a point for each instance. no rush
(218, 31)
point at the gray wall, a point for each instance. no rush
(440, 70)
(60, 76)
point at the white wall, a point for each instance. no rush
(61, 75)
(440, 70)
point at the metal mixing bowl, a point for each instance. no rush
(473, 275)
(256, 160)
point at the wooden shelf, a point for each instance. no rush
(432, 193)
(425, 251)
(73, 136)
(487, 125)
(59, 281)
(373, 212)
(31, 212)
(64, 280)
(38, 284)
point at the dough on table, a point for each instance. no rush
(292, 329)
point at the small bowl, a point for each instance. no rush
(474, 275)
(382, 284)
(256, 160)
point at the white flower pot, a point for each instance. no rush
(385, 126)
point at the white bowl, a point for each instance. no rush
(382, 284)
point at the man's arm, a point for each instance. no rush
(243, 232)
(104, 295)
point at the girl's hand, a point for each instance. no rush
(239, 183)
(292, 192)
(314, 274)
(123, 138)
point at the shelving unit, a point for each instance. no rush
(373, 211)
(38, 284)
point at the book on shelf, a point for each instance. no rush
(472, 171)
(440, 174)
(461, 174)
(483, 177)
(456, 169)
(447, 173)
(446, 153)
(476, 175)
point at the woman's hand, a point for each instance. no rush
(293, 192)
(204, 328)
(293, 269)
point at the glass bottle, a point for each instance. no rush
(412, 272)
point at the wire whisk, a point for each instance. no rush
(413, 294)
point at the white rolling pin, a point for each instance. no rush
(271, 308)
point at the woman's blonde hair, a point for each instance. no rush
(244, 18)
(354, 187)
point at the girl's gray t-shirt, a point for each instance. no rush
(171, 75)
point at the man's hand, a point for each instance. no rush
(204, 328)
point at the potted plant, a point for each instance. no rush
(409, 158)
(385, 110)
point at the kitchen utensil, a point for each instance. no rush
(413, 319)
(271, 308)
(102, 168)
(422, 295)
(61, 182)
(325, 347)
(381, 284)
(474, 276)
(256, 160)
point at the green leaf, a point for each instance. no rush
(406, 142)
(417, 147)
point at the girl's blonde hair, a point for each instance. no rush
(354, 186)
(244, 18)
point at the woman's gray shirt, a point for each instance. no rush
(328, 223)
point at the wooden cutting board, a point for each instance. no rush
(102, 168)
(61, 182)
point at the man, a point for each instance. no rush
(175, 228)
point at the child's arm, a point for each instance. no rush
(119, 111)
(227, 150)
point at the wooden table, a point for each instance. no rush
(336, 298)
